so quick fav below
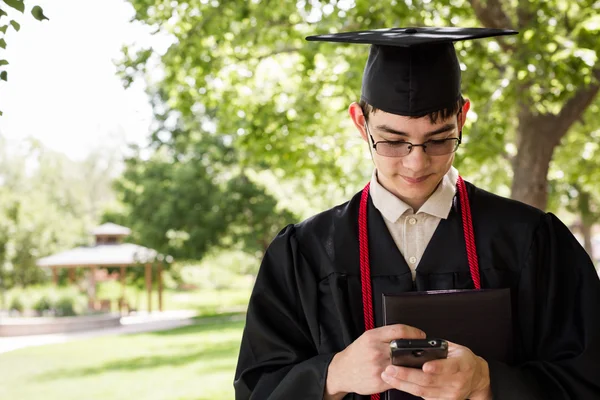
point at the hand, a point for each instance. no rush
(462, 375)
(358, 368)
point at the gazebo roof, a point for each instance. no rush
(116, 254)
(111, 229)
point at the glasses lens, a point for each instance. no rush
(391, 149)
(441, 147)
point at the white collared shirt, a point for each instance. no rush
(412, 231)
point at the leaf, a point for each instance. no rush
(3, 43)
(16, 4)
(1, 113)
(15, 25)
(38, 13)
(3, 62)
(4, 75)
(2, 13)
(3, 28)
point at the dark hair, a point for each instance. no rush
(433, 117)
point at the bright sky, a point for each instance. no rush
(62, 87)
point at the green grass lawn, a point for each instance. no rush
(195, 362)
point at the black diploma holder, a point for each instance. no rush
(478, 319)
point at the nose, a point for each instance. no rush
(417, 160)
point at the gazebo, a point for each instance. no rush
(108, 251)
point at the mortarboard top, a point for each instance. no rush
(411, 71)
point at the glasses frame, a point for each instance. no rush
(412, 145)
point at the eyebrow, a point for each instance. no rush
(446, 128)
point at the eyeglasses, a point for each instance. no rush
(438, 147)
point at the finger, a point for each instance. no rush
(446, 366)
(412, 388)
(455, 350)
(398, 331)
(414, 375)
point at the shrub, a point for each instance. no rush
(16, 304)
(42, 304)
(65, 306)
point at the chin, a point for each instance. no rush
(415, 190)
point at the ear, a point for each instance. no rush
(463, 115)
(358, 118)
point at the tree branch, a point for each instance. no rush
(524, 15)
(576, 105)
(492, 16)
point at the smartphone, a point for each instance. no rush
(416, 352)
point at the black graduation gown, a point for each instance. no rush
(307, 303)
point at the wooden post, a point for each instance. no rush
(72, 275)
(55, 276)
(122, 302)
(92, 288)
(160, 288)
(149, 286)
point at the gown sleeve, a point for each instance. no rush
(278, 355)
(558, 320)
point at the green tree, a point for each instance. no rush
(253, 216)
(188, 198)
(45, 206)
(246, 67)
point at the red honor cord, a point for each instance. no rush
(365, 267)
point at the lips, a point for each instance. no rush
(416, 180)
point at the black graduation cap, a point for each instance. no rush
(411, 71)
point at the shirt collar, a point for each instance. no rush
(438, 204)
(388, 205)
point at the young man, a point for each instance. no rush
(308, 333)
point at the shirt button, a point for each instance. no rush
(412, 221)
(412, 260)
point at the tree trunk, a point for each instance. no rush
(536, 141)
(537, 135)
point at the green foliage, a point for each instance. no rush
(245, 68)
(20, 238)
(66, 306)
(48, 300)
(18, 5)
(16, 304)
(190, 196)
(574, 180)
(48, 209)
(43, 304)
(281, 100)
(38, 13)
(224, 269)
